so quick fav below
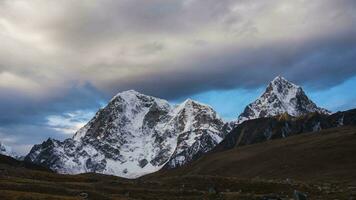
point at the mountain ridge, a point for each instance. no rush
(133, 135)
(137, 134)
(283, 126)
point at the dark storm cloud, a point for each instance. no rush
(19, 109)
(118, 45)
(24, 121)
(321, 63)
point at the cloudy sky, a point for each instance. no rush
(62, 60)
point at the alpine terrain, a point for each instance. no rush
(281, 96)
(5, 150)
(133, 135)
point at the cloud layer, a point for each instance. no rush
(60, 56)
(117, 45)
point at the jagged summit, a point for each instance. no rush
(190, 101)
(133, 135)
(280, 96)
(126, 93)
(280, 80)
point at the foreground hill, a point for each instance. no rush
(320, 164)
(6, 161)
(328, 155)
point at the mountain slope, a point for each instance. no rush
(282, 126)
(133, 135)
(20, 182)
(14, 163)
(281, 96)
(321, 157)
(313, 156)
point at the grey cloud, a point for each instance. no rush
(91, 24)
(321, 63)
(118, 45)
(22, 137)
(20, 109)
(60, 56)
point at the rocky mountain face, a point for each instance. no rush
(282, 126)
(281, 96)
(201, 132)
(133, 135)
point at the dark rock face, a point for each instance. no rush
(263, 129)
(134, 135)
(281, 96)
(143, 163)
(46, 151)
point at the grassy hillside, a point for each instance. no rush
(314, 158)
(324, 155)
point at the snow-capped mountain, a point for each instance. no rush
(133, 135)
(281, 96)
(7, 151)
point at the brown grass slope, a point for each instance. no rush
(19, 183)
(328, 155)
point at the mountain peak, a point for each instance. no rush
(281, 96)
(281, 81)
(279, 78)
(282, 90)
(191, 108)
(127, 93)
(190, 102)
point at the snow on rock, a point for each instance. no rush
(133, 135)
(201, 130)
(7, 151)
(281, 96)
